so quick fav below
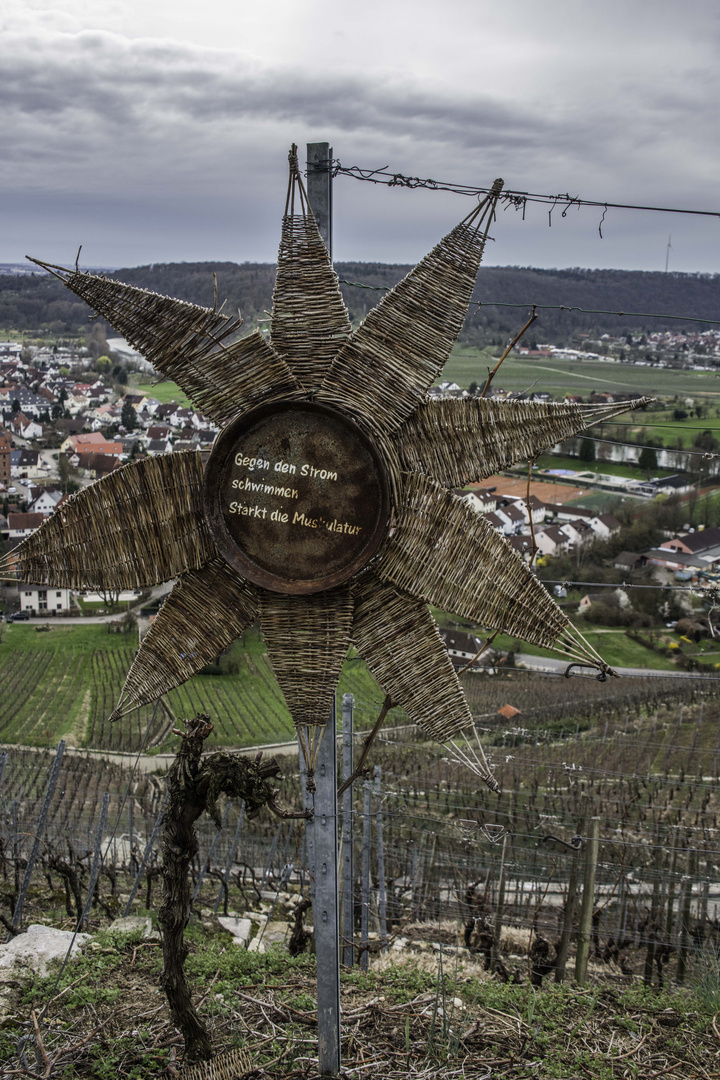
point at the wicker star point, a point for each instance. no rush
(327, 506)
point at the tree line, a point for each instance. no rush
(38, 302)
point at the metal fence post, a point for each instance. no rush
(210, 855)
(97, 859)
(382, 894)
(365, 880)
(224, 887)
(588, 902)
(39, 830)
(348, 860)
(325, 903)
(499, 907)
(148, 849)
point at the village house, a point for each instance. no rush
(24, 427)
(604, 525)
(26, 463)
(44, 500)
(22, 525)
(41, 600)
(551, 540)
(694, 543)
(95, 465)
(92, 443)
(514, 517)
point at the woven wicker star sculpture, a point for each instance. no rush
(326, 508)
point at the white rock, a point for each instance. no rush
(275, 932)
(239, 928)
(37, 946)
(130, 924)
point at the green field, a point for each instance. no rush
(583, 377)
(608, 468)
(66, 683)
(164, 392)
(658, 425)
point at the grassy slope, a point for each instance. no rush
(66, 683)
(408, 1019)
(164, 392)
(68, 680)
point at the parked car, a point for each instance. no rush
(20, 616)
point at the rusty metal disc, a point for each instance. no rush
(297, 496)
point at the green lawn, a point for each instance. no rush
(657, 425)
(608, 468)
(164, 392)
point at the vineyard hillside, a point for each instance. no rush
(65, 684)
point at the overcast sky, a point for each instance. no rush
(158, 130)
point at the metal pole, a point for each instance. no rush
(348, 860)
(148, 849)
(497, 926)
(231, 858)
(382, 897)
(365, 880)
(97, 859)
(319, 188)
(325, 903)
(211, 855)
(588, 902)
(39, 830)
(309, 834)
(568, 917)
(271, 856)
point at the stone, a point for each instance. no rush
(239, 928)
(37, 946)
(274, 933)
(130, 924)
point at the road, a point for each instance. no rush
(82, 620)
(551, 666)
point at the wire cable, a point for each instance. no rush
(516, 199)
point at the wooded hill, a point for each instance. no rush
(40, 302)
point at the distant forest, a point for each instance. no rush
(40, 303)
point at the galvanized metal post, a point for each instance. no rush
(131, 828)
(499, 908)
(325, 903)
(211, 854)
(231, 858)
(39, 830)
(365, 878)
(588, 902)
(271, 856)
(97, 859)
(148, 849)
(319, 188)
(382, 895)
(308, 804)
(348, 860)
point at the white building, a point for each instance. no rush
(39, 599)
